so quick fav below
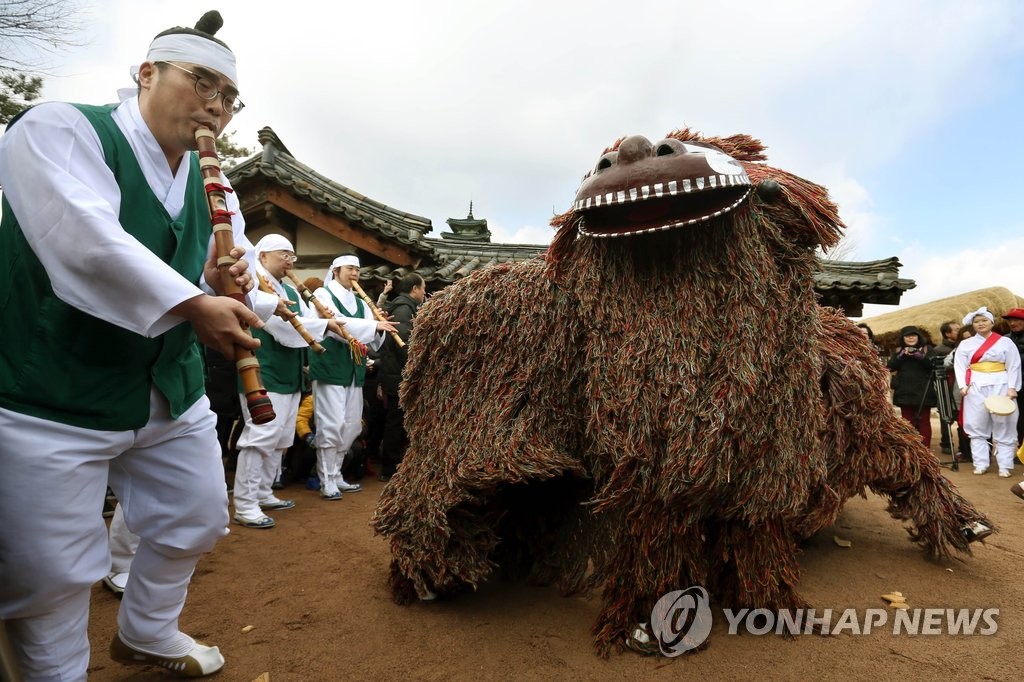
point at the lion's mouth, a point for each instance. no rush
(661, 206)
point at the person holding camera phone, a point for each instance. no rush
(913, 391)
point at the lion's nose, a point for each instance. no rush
(634, 148)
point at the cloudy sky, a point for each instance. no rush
(908, 111)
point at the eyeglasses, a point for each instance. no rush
(206, 90)
(288, 256)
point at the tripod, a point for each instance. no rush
(944, 397)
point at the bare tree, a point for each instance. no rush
(30, 29)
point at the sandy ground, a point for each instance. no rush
(314, 591)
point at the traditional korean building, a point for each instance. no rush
(323, 218)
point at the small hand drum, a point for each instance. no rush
(1000, 404)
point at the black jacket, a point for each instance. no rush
(913, 380)
(1018, 340)
(392, 358)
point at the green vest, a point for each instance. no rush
(336, 366)
(60, 364)
(280, 366)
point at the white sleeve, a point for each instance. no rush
(286, 334)
(67, 203)
(377, 338)
(314, 324)
(362, 330)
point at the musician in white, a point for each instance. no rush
(282, 357)
(986, 365)
(338, 379)
(104, 270)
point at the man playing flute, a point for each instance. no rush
(105, 276)
(338, 379)
(282, 357)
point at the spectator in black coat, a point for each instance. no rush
(913, 391)
(1015, 321)
(950, 331)
(412, 290)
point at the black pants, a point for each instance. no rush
(395, 438)
(376, 418)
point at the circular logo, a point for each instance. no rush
(681, 620)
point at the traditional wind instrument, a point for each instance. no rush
(377, 313)
(256, 399)
(317, 348)
(358, 349)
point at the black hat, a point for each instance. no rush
(907, 331)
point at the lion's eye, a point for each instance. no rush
(607, 161)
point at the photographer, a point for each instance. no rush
(913, 391)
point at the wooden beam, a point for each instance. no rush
(340, 228)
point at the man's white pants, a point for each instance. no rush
(339, 412)
(123, 543)
(980, 425)
(169, 480)
(259, 452)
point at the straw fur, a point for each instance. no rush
(640, 415)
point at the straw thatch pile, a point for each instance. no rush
(929, 316)
(639, 415)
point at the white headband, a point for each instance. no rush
(273, 242)
(337, 263)
(187, 47)
(983, 311)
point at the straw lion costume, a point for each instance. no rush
(657, 402)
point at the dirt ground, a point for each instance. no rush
(314, 591)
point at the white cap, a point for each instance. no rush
(273, 242)
(337, 263)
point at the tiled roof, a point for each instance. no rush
(453, 260)
(862, 276)
(277, 163)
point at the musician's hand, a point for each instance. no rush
(282, 310)
(1012, 393)
(239, 271)
(383, 326)
(220, 322)
(963, 391)
(336, 327)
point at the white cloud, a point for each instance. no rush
(997, 264)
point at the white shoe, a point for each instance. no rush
(346, 487)
(274, 503)
(115, 582)
(201, 660)
(329, 491)
(1004, 473)
(978, 471)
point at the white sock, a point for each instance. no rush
(177, 646)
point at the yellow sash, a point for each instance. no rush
(988, 367)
